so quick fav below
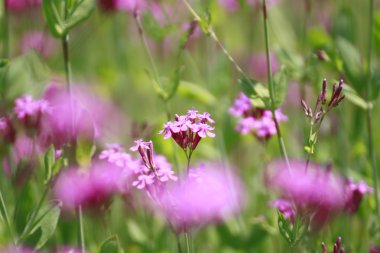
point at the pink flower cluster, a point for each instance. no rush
(121, 5)
(316, 190)
(187, 130)
(30, 111)
(208, 194)
(256, 121)
(38, 41)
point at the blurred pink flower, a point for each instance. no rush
(121, 5)
(256, 121)
(22, 5)
(316, 192)
(67, 249)
(258, 65)
(374, 249)
(230, 5)
(30, 111)
(81, 114)
(90, 187)
(7, 131)
(202, 197)
(38, 41)
(285, 207)
(14, 249)
(354, 195)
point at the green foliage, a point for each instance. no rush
(256, 92)
(292, 233)
(354, 97)
(111, 245)
(280, 80)
(84, 151)
(63, 16)
(49, 161)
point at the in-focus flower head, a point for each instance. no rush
(202, 197)
(187, 130)
(154, 169)
(255, 121)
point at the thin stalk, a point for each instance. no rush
(271, 86)
(187, 242)
(81, 230)
(66, 59)
(369, 97)
(5, 30)
(178, 243)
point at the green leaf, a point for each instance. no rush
(354, 97)
(196, 92)
(352, 65)
(49, 161)
(111, 245)
(84, 151)
(136, 232)
(61, 20)
(175, 81)
(46, 222)
(3, 62)
(280, 80)
(257, 93)
(292, 233)
(153, 28)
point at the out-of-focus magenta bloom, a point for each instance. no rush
(256, 121)
(7, 131)
(202, 197)
(316, 191)
(30, 111)
(37, 41)
(337, 246)
(22, 5)
(258, 65)
(81, 114)
(121, 5)
(187, 130)
(354, 195)
(89, 188)
(285, 207)
(230, 5)
(374, 249)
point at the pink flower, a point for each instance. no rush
(14, 249)
(67, 249)
(121, 5)
(230, 5)
(7, 131)
(22, 5)
(193, 203)
(285, 207)
(80, 114)
(187, 130)
(30, 111)
(316, 190)
(258, 65)
(354, 195)
(241, 105)
(37, 41)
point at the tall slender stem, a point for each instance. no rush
(369, 111)
(271, 85)
(66, 59)
(81, 230)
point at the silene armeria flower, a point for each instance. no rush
(255, 121)
(337, 246)
(30, 111)
(187, 130)
(205, 195)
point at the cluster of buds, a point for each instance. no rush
(321, 108)
(337, 246)
(187, 130)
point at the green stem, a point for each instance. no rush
(81, 230)
(369, 97)
(271, 86)
(187, 242)
(178, 243)
(5, 34)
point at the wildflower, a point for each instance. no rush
(354, 195)
(256, 121)
(121, 5)
(317, 192)
(285, 207)
(230, 5)
(187, 130)
(374, 249)
(210, 197)
(37, 41)
(67, 249)
(30, 111)
(21, 5)
(7, 131)
(154, 169)
(258, 65)
(337, 247)
(14, 249)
